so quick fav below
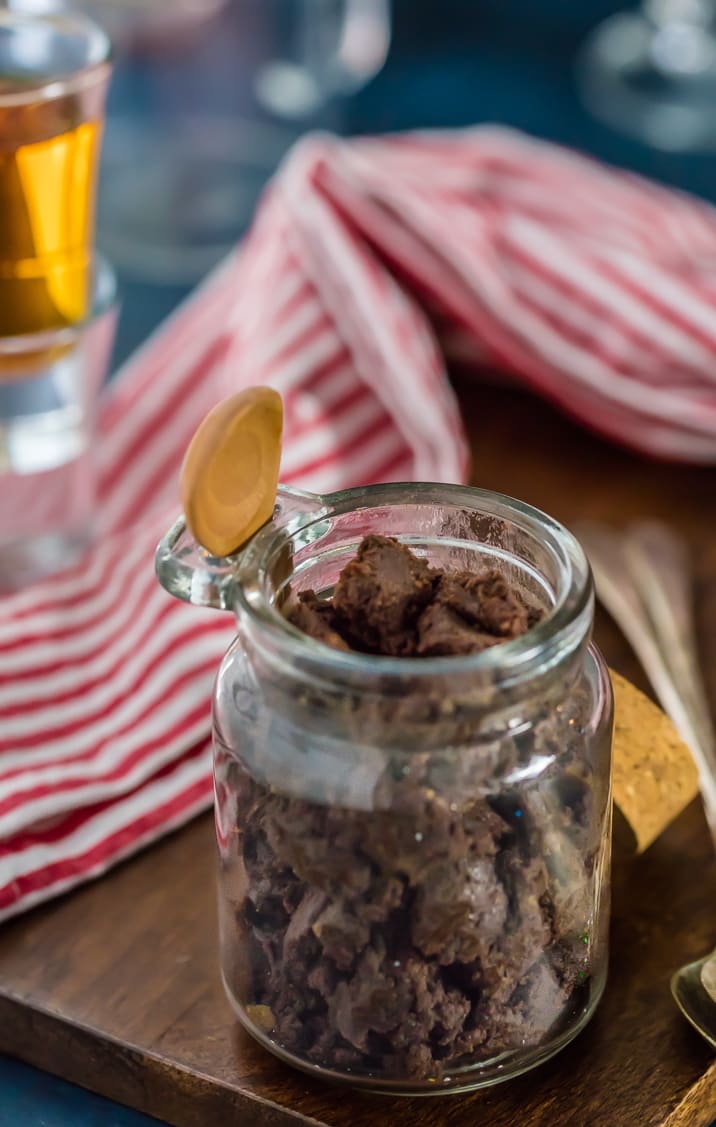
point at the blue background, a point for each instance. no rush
(452, 62)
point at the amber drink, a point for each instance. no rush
(57, 300)
(53, 82)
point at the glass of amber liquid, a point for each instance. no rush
(56, 300)
(54, 73)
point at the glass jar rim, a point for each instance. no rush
(561, 631)
(95, 69)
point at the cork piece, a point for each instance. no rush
(230, 471)
(654, 775)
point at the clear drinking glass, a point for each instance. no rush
(179, 189)
(182, 173)
(49, 387)
(53, 82)
(320, 49)
(651, 72)
(413, 853)
(185, 159)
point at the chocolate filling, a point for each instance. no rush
(450, 921)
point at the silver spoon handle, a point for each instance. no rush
(625, 600)
(659, 564)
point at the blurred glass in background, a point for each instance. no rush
(57, 301)
(651, 72)
(320, 49)
(210, 95)
(207, 98)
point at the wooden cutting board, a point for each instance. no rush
(116, 986)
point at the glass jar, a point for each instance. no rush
(413, 852)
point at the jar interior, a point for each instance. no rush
(455, 529)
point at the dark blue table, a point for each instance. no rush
(453, 62)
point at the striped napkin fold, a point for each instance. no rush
(369, 262)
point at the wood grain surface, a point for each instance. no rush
(116, 986)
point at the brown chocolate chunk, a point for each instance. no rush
(442, 632)
(390, 601)
(316, 617)
(486, 602)
(380, 595)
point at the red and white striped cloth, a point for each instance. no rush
(594, 287)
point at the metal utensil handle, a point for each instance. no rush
(659, 562)
(623, 598)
